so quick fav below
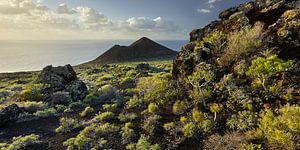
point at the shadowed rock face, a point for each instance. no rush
(62, 79)
(281, 30)
(143, 49)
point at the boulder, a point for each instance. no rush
(57, 77)
(62, 80)
(9, 114)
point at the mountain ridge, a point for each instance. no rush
(140, 50)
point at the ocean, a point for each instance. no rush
(18, 56)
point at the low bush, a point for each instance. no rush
(105, 116)
(90, 136)
(243, 121)
(107, 92)
(86, 111)
(46, 112)
(143, 144)
(179, 107)
(22, 142)
(279, 128)
(31, 95)
(32, 106)
(189, 130)
(241, 43)
(125, 117)
(152, 108)
(262, 68)
(67, 125)
(134, 102)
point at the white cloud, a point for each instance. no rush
(204, 10)
(20, 7)
(28, 18)
(92, 19)
(211, 1)
(63, 9)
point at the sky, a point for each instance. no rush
(106, 19)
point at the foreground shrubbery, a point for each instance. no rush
(21, 142)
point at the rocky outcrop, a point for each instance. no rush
(281, 19)
(62, 79)
(9, 114)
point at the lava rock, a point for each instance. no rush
(57, 77)
(62, 80)
(9, 114)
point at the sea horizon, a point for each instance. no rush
(34, 55)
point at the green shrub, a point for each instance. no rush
(21, 142)
(33, 106)
(31, 95)
(110, 107)
(216, 108)
(107, 92)
(143, 144)
(262, 68)
(152, 108)
(67, 125)
(90, 136)
(86, 111)
(251, 147)
(134, 102)
(204, 74)
(279, 128)
(156, 89)
(243, 121)
(46, 112)
(125, 117)
(202, 121)
(105, 116)
(179, 107)
(189, 130)
(169, 126)
(217, 41)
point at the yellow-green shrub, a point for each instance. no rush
(280, 127)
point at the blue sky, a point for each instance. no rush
(107, 19)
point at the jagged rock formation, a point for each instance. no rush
(281, 19)
(143, 49)
(62, 79)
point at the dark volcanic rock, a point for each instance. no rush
(143, 49)
(57, 77)
(62, 79)
(9, 114)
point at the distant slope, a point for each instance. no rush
(142, 49)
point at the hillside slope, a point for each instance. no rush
(142, 49)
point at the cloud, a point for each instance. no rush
(151, 25)
(35, 19)
(63, 9)
(21, 7)
(204, 10)
(92, 19)
(211, 1)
